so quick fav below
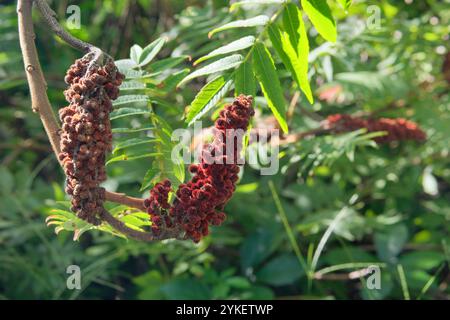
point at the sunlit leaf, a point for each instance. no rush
(244, 81)
(288, 55)
(126, 112)
(127, 99)
(319, 13)
(234, 46)
(135, 53)
(132, 143)
(150, 51)
(207, 98)
(217, 66)
(270, 84)
(131, 85)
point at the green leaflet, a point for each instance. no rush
(132, 85)
(124, 157)
(135, 53)
(244, 79)
(234, 46)
(217, 66)
(207, 98)
(126, 112)
(287, 53)
(150, 51)
(270, 84)
(319, 13)
(131, 98)
(130, 130)
(132, 143)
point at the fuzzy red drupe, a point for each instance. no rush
(200, 202)
(397, 129)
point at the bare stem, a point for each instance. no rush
(50, 18)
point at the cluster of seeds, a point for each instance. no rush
(397, 129)
(86, 132)
(158, 206)
(200, 202)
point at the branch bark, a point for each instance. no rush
(38, 91)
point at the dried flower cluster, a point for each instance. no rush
(86, 133)
(200, 202)
(397, 129)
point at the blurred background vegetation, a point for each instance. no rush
(387, 205)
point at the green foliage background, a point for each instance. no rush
(338, 203)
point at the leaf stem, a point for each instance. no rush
(289, 232)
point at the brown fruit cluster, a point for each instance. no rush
(397, 129)
(200, 202)
(86, 133)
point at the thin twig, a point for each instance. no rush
(50, 18)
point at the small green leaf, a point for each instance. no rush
(244, 81)
(132, 143)
(252, 22)
(135, 53)
(234, 46)
(424, 260)
(125, 64)
(173, 79)
(167, 63)
(131, 85)
(287, 53)
(319, 13)
(150, 51)
(291, 23)
(131, 98)
(126, 112)
(124, 157)
(207, 98)
(295, 28)
(217, 66)
(150, 176)
(270, 84)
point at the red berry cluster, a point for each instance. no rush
(397, 129)
(86, 133)
(158, 206)
(200, 202)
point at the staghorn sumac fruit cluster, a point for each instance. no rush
(86, 132)
(397, 129)
(200, 202)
